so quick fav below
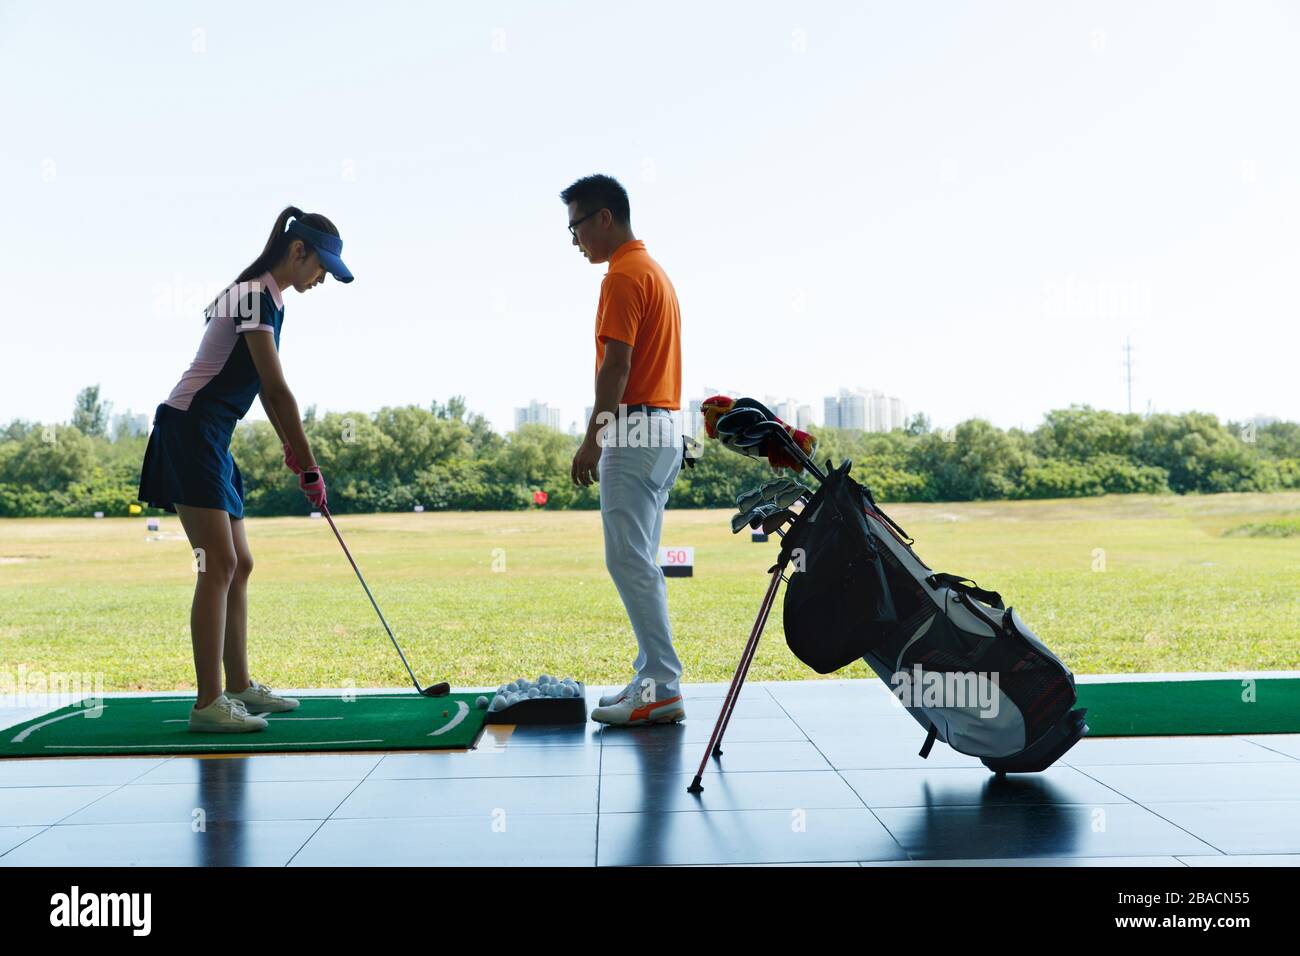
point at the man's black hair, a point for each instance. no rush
(593, 193)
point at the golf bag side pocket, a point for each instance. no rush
(838, 605)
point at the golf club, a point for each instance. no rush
(440, 689)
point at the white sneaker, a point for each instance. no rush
(224, 716)
(627, 711)
(609, 700)
(260, 699)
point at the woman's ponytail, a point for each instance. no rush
(277, 244)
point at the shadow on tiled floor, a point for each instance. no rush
(814, 772)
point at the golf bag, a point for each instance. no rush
(961, 662)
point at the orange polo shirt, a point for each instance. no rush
(638, 305)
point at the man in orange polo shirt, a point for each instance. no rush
(632, 447)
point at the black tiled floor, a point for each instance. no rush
(706, 711)
(744, 836)
(1111, 751)
(1162, 783)
(1288, 744)
(164, 844)
(1256, 859)
(586, 735)
(812, 772)
(557, 761)
(1072, 861)
(1260, 826)
(218, 802)
(470, 797)
(887, 743)
(42, 806)
(80, 772)
(261, 768)
(970, 786)
(990, 832)
(736, 757)
(759, 790)
(696, 733)
(10, 837)
(506, 839)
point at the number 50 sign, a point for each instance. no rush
(677, 562)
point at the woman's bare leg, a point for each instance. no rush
(210, 536)
(235, 655)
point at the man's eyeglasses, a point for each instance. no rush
(573, 226)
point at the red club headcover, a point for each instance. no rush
(780, 457)
(712, 409)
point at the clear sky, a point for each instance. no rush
(968, 205)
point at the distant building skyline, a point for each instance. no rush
(538, 413)
(861, 409)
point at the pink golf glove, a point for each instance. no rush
(291, 460)
(312, 484)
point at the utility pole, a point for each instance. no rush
(1128, 372)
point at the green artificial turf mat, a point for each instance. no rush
(158, 725)
(1172, 708)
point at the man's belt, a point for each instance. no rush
(690, 447)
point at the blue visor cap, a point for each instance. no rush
(328, 249)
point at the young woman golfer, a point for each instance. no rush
(188, 469)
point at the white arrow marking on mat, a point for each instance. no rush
(163, 747)
(461, 714)
(44, 723)
(182, 720)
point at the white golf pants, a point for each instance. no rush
(638, 465)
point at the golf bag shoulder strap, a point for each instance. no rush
(929, 743)
(966, 586)
(876, 510)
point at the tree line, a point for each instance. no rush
(445, 457)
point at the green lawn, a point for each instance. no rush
(1175, 593)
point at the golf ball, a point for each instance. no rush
(511, 687)
(545, 679)
(534, 692)
(481, 702)
(498, 703)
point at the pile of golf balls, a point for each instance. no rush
(508, 695)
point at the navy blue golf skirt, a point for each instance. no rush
(188, 462)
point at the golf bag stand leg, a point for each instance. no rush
(746, 660)
(714, 747)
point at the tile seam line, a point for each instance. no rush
(1154, 814)
(881, 823)
(311, 836)
(51, 826)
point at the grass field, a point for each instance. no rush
(1116, 584)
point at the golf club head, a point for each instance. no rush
(760, 514)
(762, 435)
(440, 689)
(756, 405)
(735, 422)
(777, 520)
